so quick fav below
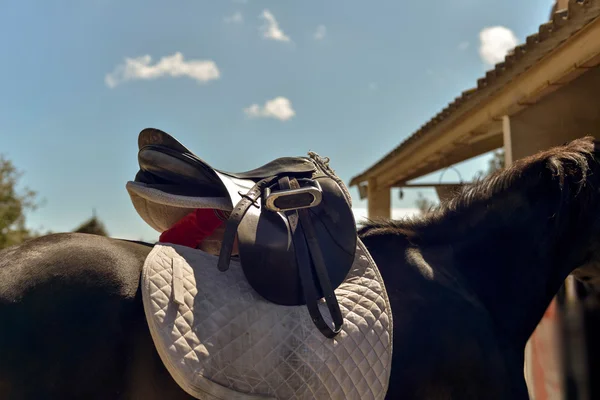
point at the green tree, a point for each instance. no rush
(424, 204)
(13, 205)
(495, 163)
(93, 226)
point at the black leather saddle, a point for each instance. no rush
(292, 217)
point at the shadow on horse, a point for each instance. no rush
(468, 283)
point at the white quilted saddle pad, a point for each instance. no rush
(220, 340)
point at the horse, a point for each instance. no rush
(468, 283)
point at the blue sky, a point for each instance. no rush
(239, 82)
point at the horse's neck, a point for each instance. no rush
(514, 270)
(517, 235)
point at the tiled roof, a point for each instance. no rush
(564, 24)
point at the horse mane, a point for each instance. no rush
(562, 170)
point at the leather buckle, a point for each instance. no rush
(308, 195)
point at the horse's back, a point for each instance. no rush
(76, 260)
(71, 318)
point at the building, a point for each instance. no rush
(543, 94)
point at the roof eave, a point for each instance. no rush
(558, 35)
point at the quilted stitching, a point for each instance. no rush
(229, 334)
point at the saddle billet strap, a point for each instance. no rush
(235, 218)
(323, 163)
(306, 244)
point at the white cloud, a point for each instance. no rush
(271, 28)
(175, 66)
(236, 18)
(463, 46)
(495, 43)
(279, 108)
(320, 32)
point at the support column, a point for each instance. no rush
(508, 146)
(378, 200)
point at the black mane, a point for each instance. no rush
(559, 174)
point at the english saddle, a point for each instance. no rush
(292, 217)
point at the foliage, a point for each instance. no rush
(424, 204)
(496, 163)
(13, 204)
(93, 226)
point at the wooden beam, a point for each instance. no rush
(379, 200)
(449, 158)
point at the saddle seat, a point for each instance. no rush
(164, 160)
(154, 139)
(292, 217)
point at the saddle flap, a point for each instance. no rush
(334, 217)
(268, 258)
(267, 252)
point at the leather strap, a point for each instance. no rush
(235, 218)
(306, 244)
(306, 247)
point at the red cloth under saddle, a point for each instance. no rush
(192, 229)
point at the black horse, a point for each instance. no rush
(468, 284)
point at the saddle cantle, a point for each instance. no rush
(292, 216)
